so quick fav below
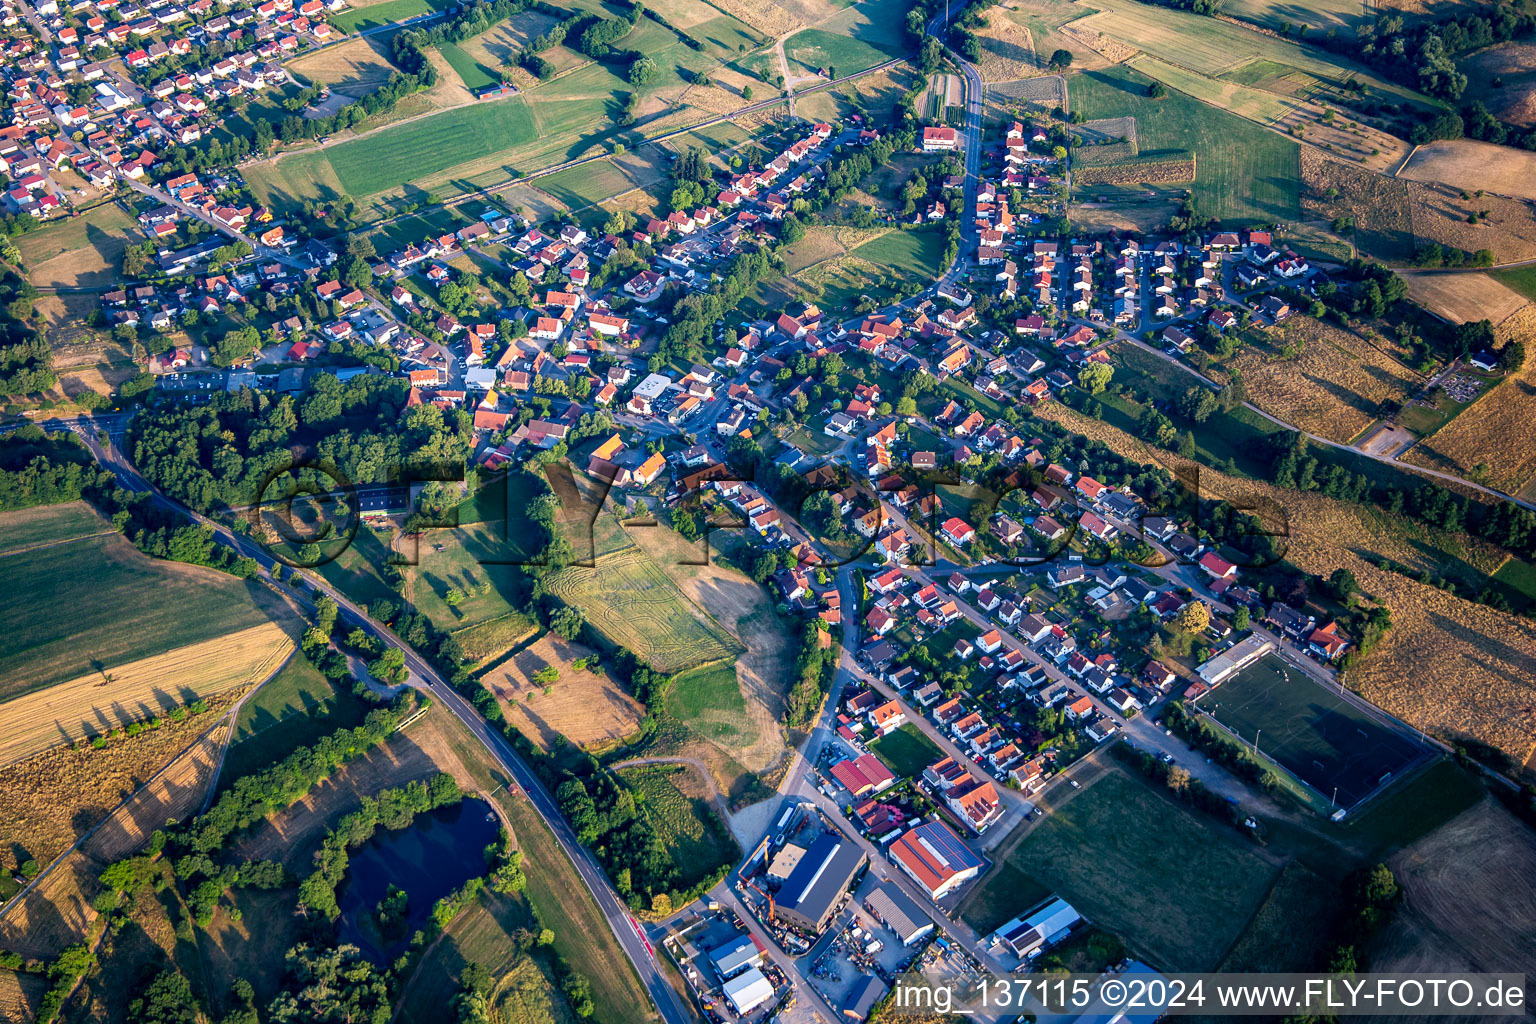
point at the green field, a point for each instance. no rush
(906, 752)
(79, 251)
(582, 936)
(293, 709)
(1519, 279)
(628, 599)
(485, 933)
(689, 829)
(49, 524)
(356, 19)
(875, 268)
(710, 701)
(133, 606)
(417, 227)
(1243, 172)
(1178, 887)
(1311, 732)
(474, 75)
(858, 37)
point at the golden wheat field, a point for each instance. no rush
(1448, 666)
(1493, 440)
(1335, 386)
(95, 704)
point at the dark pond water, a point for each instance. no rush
(431, 858)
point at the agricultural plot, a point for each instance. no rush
(136, 608)
(471, 71)
(1243, 172)
(79, 252)
(1494, 440)
(360, 17)
(1256, 105)
(1503, 77)
(1314, 734)
(501, 44)
(859, 37)
(1049, 24)
(102, 700)
(1470, 898)
(353, 68)
(1467, 164)
(876, 268)
(1335, 385)
(632, 602)
(587, 708)
(1464, 297)
(44, 525)
(1112, 850)
(1337, 16)
(906, 752)
(691, 832)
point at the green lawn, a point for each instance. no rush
(293, 709)
(1520, 279)
(1243, 172)
(858, 37)
(710, 701)
(1176, 885)
(356, 19)
(417, 227)
(474, 74)
(1519, 575)
(96, 603)
(907, 751)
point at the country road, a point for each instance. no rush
(426, 678)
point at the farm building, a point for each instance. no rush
(1030, 935)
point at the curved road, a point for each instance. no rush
(427, 679)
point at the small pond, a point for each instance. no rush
(430, 858)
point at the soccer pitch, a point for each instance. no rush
(1312, 732)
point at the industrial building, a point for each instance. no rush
(784, 862)
(892, 908)
(747, 991)
(935, 858)
(810, 893)
(736, 956)
(866, 992)
(1033, 933)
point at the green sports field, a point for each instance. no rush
(1243, 172)
(1312, 732)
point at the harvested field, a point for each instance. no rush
(1007, 51)
(80, 252)
(1138, 172)
(1464, 297)
(94, 704)
(355, 67)
(48, 801)
(135, 608)
(58, 912)
(1467, 164)
(1513, 65)
(1469, 898)
(587, 708)
(632, 601)
(1336, 386)
(1127, 217)
(1453, 668)
(20, 995)
(1493, 441)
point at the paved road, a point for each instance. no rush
(426, 678)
